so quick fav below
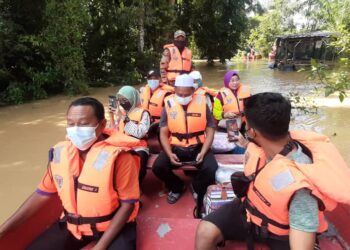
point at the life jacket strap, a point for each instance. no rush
(266, 220)
(178, 71)
(80, 220)
(181, 136)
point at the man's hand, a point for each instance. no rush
(174, 159)
(240, 140)
(200, 157)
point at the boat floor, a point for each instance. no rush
(164, 226)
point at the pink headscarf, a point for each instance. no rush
(228, 76)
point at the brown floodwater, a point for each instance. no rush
(27, 131)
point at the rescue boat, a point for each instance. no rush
(172, 227)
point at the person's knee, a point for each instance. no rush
(208, 236)
(159, 165)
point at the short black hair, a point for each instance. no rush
(94, 103)
(269, 113)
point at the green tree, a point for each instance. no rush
(277, 20)
(20, 59)
(217, 27)
(62, 38)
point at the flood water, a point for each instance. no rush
(27, 131)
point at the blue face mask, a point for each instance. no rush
(153, 84)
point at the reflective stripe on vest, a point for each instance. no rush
(231, 103)
(186, 127)
(179, 63)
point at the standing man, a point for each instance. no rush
(176, 59)
(186, 134)
(96, 179)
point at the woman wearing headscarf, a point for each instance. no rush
(228, 103)
(133, 120)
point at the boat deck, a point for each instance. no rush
(163, 226)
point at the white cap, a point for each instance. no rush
(184, 81)
(196, 75)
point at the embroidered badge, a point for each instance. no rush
(282, 180)
(58, 180)
(160, 93)
(101, 160)
(173, 115)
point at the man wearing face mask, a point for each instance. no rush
(95, 177)
(201, 90)
(176, 59)
(153, 94)
(288, 180)
(186, 134)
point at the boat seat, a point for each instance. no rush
(221, 158)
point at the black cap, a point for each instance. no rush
(153, 72)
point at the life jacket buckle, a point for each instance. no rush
(264, 233)
(74, 219)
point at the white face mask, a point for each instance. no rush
(153, 84)
(183, 100)
(82, 137)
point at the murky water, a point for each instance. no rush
(27, 131)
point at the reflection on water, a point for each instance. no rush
(28, 131)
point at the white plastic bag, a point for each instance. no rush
(224, 172)
(221, 143)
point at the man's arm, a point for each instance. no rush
(209, 135)
(300, 240)
(164, 63)
(303, 220)
(34, 202)
(127, 186)
(118, 222)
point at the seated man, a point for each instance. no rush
(80, 171)
(288, 175)
(201, 90)
(186, 134)
(153, 95)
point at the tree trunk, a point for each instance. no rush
(142, 28)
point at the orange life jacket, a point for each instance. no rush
(231, 103)
(205, 91)
(186, 127)
(179, 63)
(134, 115)
(154, 102)
(87, 194)
(275, 182)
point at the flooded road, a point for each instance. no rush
(27, 131)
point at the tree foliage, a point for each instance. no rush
(217, 27)
(49, 47)
(277, 20)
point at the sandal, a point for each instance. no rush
(174, 197)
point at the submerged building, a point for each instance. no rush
(294, 51)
